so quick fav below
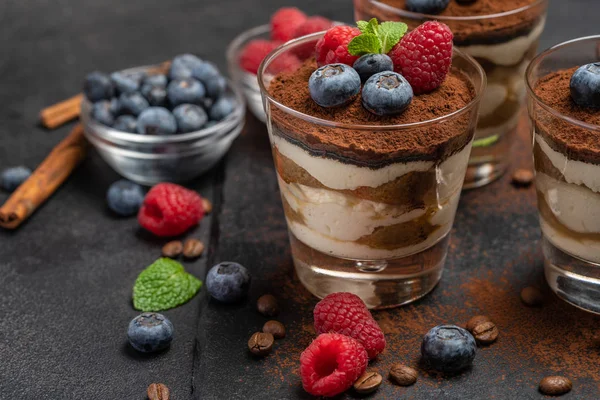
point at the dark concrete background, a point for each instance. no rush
(66, 275)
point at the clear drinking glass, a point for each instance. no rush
(504, 59)
(567, 181)
(379, 232)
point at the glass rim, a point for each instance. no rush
(324, 122)
(530, 90)
(415, 15)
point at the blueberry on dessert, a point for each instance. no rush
(427, 6)
(387, 93)
(156, 121)
(334, 85)
(185, 91)
(98, 86)
(370, 64)
(585, 86)
(189, 117)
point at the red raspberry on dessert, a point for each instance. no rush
(333, 46)
(170, 210)
(311, 25)
(254, 52)
(284, 23)
(424, 56)
(331, 364)
(345, 313)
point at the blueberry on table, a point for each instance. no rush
(215, 87)
(205, 72)
(183, 65)
(189, 117)
(156, 95)
(221, 109)
(448, 348)
(185, 91)
(126, 123)
(102, 111)
(156, 121)
(386, 93)
(427, 6)
(334, 85)
(228, 282)
(125, 83)
(13, 177)
(150, 332)
(98, 86)
(155, 80)
(125, 197)
(370, 64)
(585, 86)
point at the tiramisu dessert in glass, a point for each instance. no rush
(502, 35)
(371, 163)
(564, 106)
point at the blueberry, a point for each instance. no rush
(215, 87)
(386, 93)
(221, 109)
(585, 86)
(150, 332)
(156, 95)
(125, 83)
(334, 85)
(126, 123)
(185, 91)
(189, 117)
(125, 197)
(156, 121)
(155, 80)
(228, 282)
(183, 65)
(427, 6)
(132, 103)
(98, 86)
(370, 64)
(448, 348)
(103, 112)
(13, 177)
(205, 71)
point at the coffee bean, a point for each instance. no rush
(555, 385)
(261, 344)
(475, 321)
(485, 332)
(172, 249)
(522, 178)
(275, 328)
(532, 296)
(267, 305)
(368, 382)
(207, 205)
(158, 391)
(193, 248)
(403, 375)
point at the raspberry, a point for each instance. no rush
(285, 62)
(284, 23)
(346, 313)
(170, 210)
(333, 46)
(311, 25)
(253, 54)
(331, 364)
(424, 56)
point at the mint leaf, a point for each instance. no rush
(163, 285)
(364, 44)
(368, 27)
(390, 33)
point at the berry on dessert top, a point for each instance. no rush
(585, 85)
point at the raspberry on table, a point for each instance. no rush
(311, 25)
(170, 210)
(424, 56)
(331, 364)
(254, 52)
(333, 46)
(284, 23)
(345, 313)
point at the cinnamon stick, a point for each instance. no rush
(60, 113)
(44, 181)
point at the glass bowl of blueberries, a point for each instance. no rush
(162, 123)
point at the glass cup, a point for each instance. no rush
(504, 57)
(379, 231)
(568, 187)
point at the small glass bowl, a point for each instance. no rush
(149, 159)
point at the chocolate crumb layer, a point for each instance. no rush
(576, 142)
(375, 149)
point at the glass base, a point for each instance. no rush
(379, 283)
(573, 279)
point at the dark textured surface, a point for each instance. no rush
(66, 275)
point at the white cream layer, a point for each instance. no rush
(507, 53)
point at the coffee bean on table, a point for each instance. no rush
(193, 248)
(368, 382)
(207, 205)
(172, 249)
(475, 321)
(268, 305)
(158, 391)
(275, 328)
(260, 343)
(485, 332)
(555, 385)
(532, 296)
(522, 177)
(403, 375)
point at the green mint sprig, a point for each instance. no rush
(376, 38)
(162, 285)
